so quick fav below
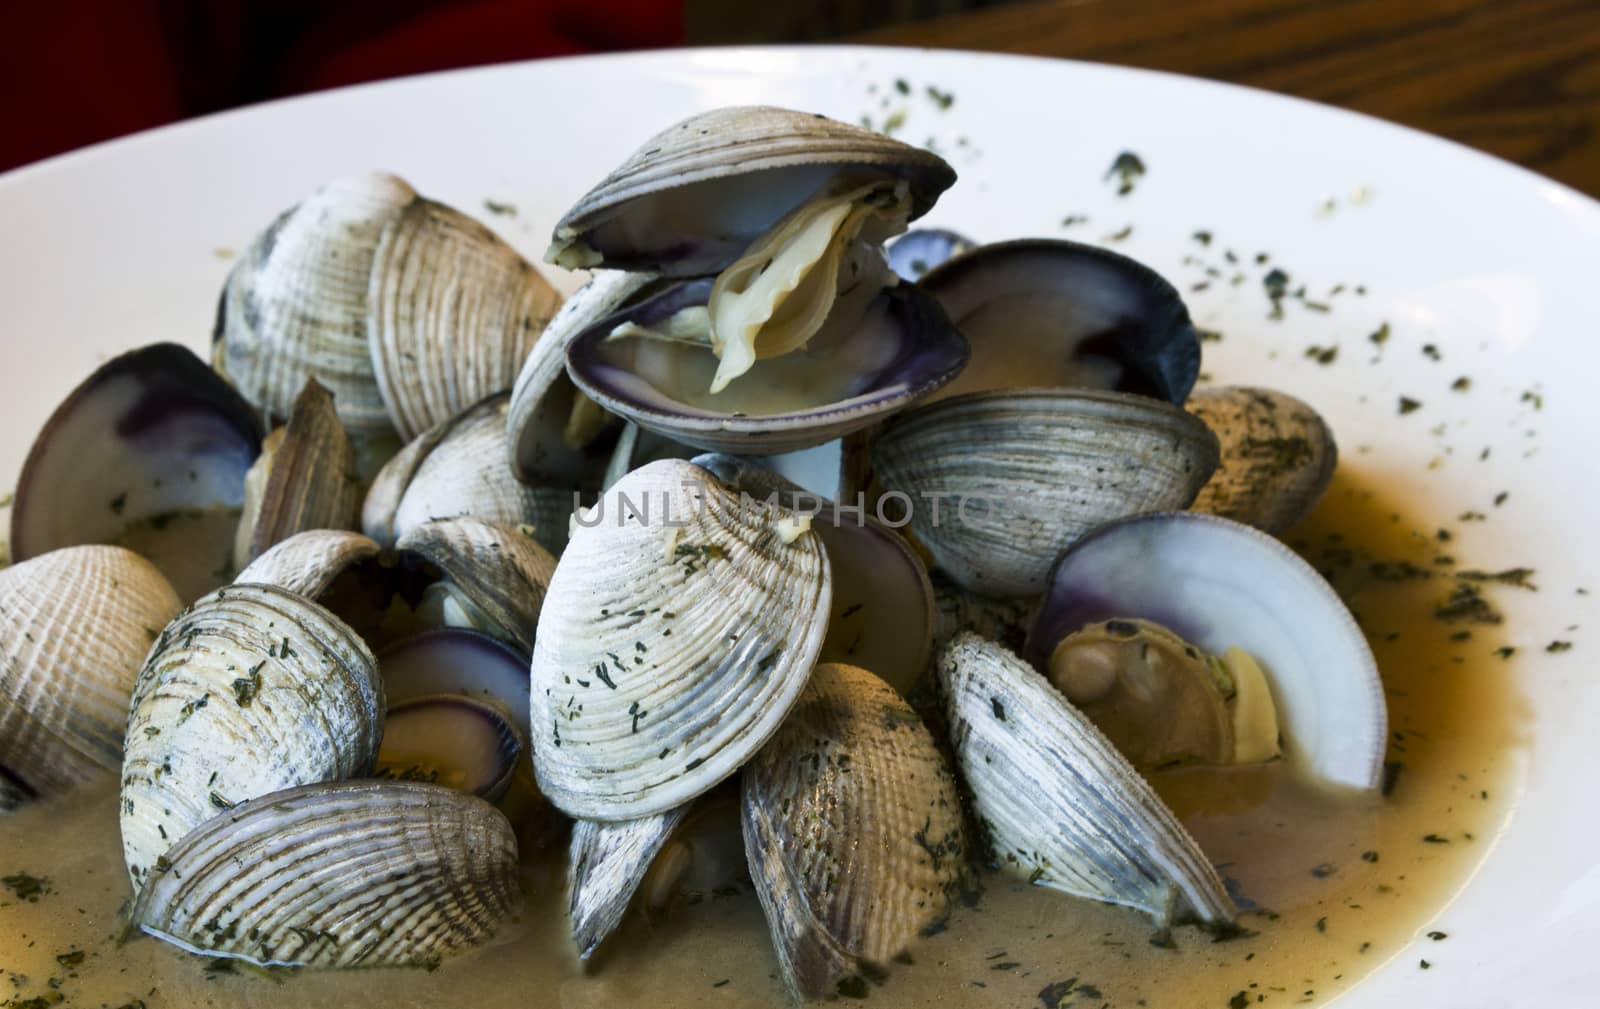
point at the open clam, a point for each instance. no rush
(385, 873)
(790, 330)
(996, 485)
(1056, 803)
(75, 625)
(678, 630)
(1231, 592)
(853, 828)
(1046, 312)
(250, 690)
(151, 452)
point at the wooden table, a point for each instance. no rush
(1516, 78)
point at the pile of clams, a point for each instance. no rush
(794, 548)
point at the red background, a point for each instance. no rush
(72, 73)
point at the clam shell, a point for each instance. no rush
(904, 349)
(677, 632)
(729, 174)
(853, 830)
(307, 481)
(606, 864)
(458, 470)
(75, 624)
(543, 397)
(384, 873)
(1278, 456)
(295, 305)
(452, 740)
(307, 563)
(998, 484)
(453, 312)
(150, 436)
(501, 571)
(250, 690)
(1046, 312)
(1058, 805)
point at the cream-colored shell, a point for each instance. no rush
(1055, 801)
(997, 485)
(295, 305)
(853, 830)
(454, 311)
(1278, 456)
(458, 470)
(249, 691)
(307, 563)
(349, 874)
(672, 643)
(75, 624)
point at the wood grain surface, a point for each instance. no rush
(1517, 78)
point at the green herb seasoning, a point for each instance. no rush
(1127, 169)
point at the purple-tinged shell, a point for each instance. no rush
(1220, 584)
(906, 349)
(1042, 312)
(451, 740)
(917, 251)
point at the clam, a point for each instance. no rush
(381, 873)
(75, 624)
(1278, 456)
(548, 424)
(1057, 804)
(996, 485)
(788, 329)
(462, 699)
(606, 864)
(882, 616)
(678, 630)
(151, 452)
(250, 690)
(917, 251)
(853, 828)
(458, 469)
(406, 310)
(496, 578)
(305, 478)
(1043, 312)
(307, 563)
(1231, 592)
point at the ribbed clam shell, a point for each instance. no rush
(295, 305)
(542, 399)
(310, 479)
(454, 311)
(501, 570)
(670, 646)
(307, 563)
(75, 624)
(998, 484)
(1058, 805)
(458, 470)
(1278, 456)
(250, 690)
(352, 874)
(746, 152)
(853, 830)
(606, 864)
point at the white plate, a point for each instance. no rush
(118, 246)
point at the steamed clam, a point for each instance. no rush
(406, 310)
(250, 690)
(1056, 803)
(75, 624)
(1278, 456)
(854, 831)
(678, 630)
(384, 874)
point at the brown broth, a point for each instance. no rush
(1337, 886)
